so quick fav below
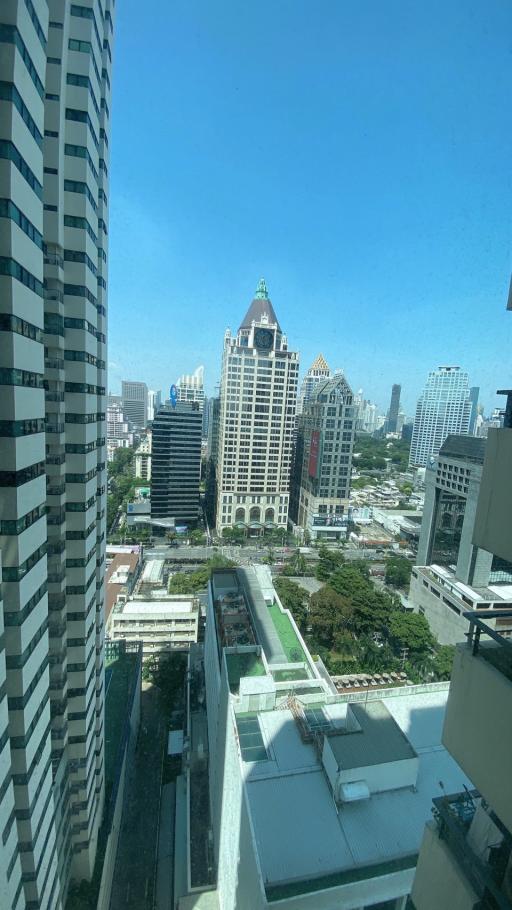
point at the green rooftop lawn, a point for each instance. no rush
(245, 664)
(289, 641)
(116, 707)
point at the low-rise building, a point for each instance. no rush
(121, 576)
(161, 625)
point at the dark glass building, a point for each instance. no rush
(176, 462)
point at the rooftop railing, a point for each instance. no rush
(501, 656)
(453, 815)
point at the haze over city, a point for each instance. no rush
(356, 155)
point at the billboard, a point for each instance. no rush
(314, 450)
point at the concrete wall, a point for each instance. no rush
(493, 525)
(439, 882)
(446, 626)
(477, 730)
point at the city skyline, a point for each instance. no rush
(369, 187)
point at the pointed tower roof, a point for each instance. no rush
(320, 364)
(260, 306)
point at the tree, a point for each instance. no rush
(411, 631)
(233, 535)
(329, 615)
(197, 537)
(191, 582)
(328, 562)
(443, 662)
(398, 571)
(294, 599)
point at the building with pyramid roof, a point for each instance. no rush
(318, 372)
(258, 395)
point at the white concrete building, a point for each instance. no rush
(154, 402)
(321, 797)
(258, 397)
(444, 407)
(161, 625)
(55, 65)
(119, 434)
(142, 458)
(191, 387)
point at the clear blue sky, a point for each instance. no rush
(355, 153)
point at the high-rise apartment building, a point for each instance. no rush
(394, 409)
(135, 403)
(55, 64)
(318, 372)
(176, 462)
(258, 397)
(320, 486)
(191, 387)
(154, 402)
(444, 407)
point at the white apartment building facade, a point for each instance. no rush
(55, 65)
(119, 434)
(154, 402)
(444, 407)
(258, 396)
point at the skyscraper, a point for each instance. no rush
(154, 402)
(318, 372)
(258, 396)
(474, 392)
(394, 408)
(320, 487)
(54, 134)
(135, 403)
(176, 462)
(443, 408)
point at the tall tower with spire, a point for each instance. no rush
(258, 395)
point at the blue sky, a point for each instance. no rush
(355, 153)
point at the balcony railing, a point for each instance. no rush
(501, 656)
(453, 816)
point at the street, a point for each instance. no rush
(134, 875)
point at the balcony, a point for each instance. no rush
(465, 857)
(477, 731)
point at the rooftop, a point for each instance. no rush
(379, 739)
(118, 575)
(261, 309)
(158, 607)
(304, 840)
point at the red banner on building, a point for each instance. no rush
(313, 453)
